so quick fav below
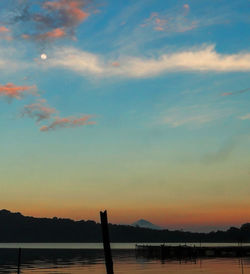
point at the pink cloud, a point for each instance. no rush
(5, 33)
(186, 6)
(171, 22)
(68, 122)
(159, 28)
(39, 110)
(160, 22)
(70, 10)
(226, 94)
(50, 35)
(25, 36)
(53, 34)
(116, 64)
(56, 19)
(15, 92)
(4, 29)
(56, 33)
(8, 38)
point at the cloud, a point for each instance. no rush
(68, 122)
(177, 121)
(4, 29)
(160, 24)
(12, 91)
(203, 59)
(12, 60)
(245, 117)
(235, 92)
(77, 60)
(5, 33)
(115, 64)
(50, 35)
(39, 111)
(186, 8)
(192, 116)
(50, 20)
(174, 21)
(69, 12)
(222, 154)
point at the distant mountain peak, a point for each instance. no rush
(145, 224)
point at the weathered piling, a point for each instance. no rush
(106, 242)
(19, 261)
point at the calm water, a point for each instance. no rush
(88, 258)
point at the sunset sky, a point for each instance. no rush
(138, 107)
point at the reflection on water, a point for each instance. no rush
(100, 246)
(76, 261)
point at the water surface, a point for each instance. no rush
(88, 258)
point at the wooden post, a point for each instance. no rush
(106, 242)
(19, 261)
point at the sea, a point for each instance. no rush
(76, 258)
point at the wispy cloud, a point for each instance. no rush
(174, 21)
(39, 110)
(245, 117)
(196, 59)
(235, 92)
(12, 91)
(12, 60)
(191, 116)
(68, 122)
(222, 154)
(146, 25)
(177, 121)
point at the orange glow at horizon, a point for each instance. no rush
(225, 216)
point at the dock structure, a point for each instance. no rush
(189, 252)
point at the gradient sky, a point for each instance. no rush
(141, 108)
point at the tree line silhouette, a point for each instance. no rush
(14, 227)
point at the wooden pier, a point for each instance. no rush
(188, 251)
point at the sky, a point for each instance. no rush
(137, 107)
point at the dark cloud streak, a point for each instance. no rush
(235, 92)
(38, 111)
(68, 122)
(221, 155)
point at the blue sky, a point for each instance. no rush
(136, 101)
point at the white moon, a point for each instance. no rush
(43, 56)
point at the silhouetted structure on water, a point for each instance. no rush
(189, 252)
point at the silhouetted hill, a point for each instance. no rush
(14, 227)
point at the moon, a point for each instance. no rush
(43, 56)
